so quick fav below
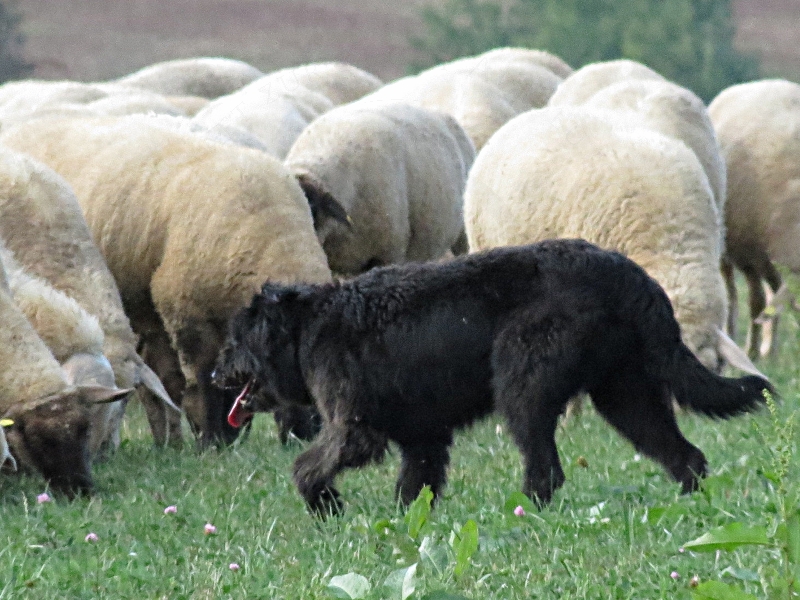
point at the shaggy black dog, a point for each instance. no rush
(410, 353)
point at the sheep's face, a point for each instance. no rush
(51, 436)
(259, 356)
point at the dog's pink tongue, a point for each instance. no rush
(238, 415)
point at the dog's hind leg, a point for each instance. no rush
(422, 464)
(338, 446)
(640, 408)
(535, 372)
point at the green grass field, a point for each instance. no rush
(606, 535)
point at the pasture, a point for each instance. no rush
(615, 530)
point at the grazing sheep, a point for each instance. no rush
(411, 353)
(278, 106)
(189, 228)
(46, 419)
(72, 335)
(591, 78)
(339, 82)
(396, 170)
(758, 125)
(676, 112)
(530, 56)
(207, 77)
(578, 172)
(43, 224)
(481, 94)
(274, 111)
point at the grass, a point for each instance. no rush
(601, 538)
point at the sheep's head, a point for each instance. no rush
(51, 435)
(259, 356)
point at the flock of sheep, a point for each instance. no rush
(138, 215)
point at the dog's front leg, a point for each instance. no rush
(338, 446)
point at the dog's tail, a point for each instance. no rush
(700, 390)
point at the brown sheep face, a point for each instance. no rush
(51, 436)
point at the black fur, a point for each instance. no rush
(410, 353)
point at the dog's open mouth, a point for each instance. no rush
(240, 412)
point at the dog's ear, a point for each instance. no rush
(323, 204)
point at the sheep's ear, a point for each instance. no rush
(322, 203)
(101, 394)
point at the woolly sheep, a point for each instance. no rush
(676, 112)
(480, 94)
(397, 171)
(72, 335)
(278, 106)
(339, 82)
(274, 111)
(42, 223)
(576, 172)
(207, 77)
(46, 420)
(529, 56)
(758, 125)
(190, 229)
(591, 78)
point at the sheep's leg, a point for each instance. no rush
(757, 303)
(773, 278)
(156, 350)
(422, 464)
(338, 446)
(641, 410)
(536, 372)
(726, 267)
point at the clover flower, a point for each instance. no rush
(43, 497)
(519, 511)
(209, 529)
(171, 510)
(91, 537)
(234, 567)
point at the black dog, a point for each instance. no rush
(410, 353)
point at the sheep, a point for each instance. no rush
(481, 94)
(339, 82)
(529, 56)
(207, 77)
(591, 78)
(758, 126)
(278, 106)
(579, 172)
(676, 112)
(46, 419)
(275, 111)
(410, 353)
(189, 228)
(72, 335)
(43, 225)
(398, 173)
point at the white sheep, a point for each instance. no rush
(397, 171)
(758, 126)
(207, 77)
(190, 228)
(277, 107)
(46, 419)
(676, 112)
(529, 56)
(480, 93)
(591, 78)
(592, 174)
(42, 223)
